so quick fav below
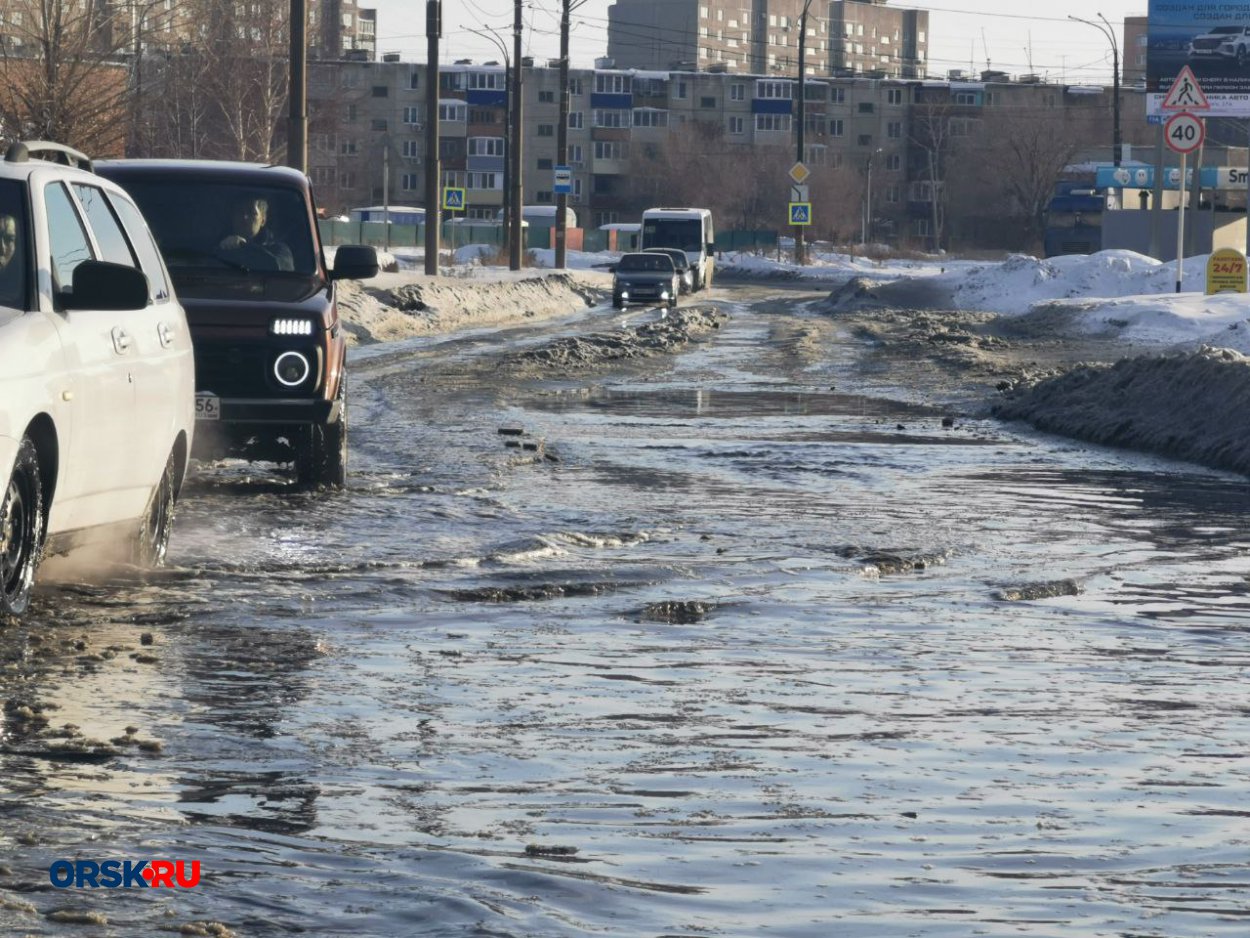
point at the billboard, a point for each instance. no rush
(1212, 37)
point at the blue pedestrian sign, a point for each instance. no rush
(800, 213)
(563, 180)
(453, 199)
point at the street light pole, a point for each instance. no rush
(1105, 28)
(506, 229)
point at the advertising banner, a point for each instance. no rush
(1212, 37)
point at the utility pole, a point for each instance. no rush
(800, 248)
(433, 30)
(517, 179)
(297, 127)
(562, 137)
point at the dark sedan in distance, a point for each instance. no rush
(645, 278)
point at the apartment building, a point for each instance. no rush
(367, 137)
(761, 37)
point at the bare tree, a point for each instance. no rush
(931, 135)
(62, 76)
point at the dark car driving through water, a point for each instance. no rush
(685, 272)
(644, 277)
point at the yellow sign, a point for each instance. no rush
(799, 172)
(1226, 272)
(453, 199)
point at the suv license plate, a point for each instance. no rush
(207, 407)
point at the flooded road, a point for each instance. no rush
(732, 642)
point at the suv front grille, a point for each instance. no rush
(246, 370)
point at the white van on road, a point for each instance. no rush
(689, 229)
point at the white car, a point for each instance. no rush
(97, 385)
(1223, 43)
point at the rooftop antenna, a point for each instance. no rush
(985, 45)
(1028, 51)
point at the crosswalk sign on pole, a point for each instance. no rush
(800, 213)
(1185, 94)
(453, 199)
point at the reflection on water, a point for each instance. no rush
(739, 662)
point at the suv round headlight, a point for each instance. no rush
(292, 369)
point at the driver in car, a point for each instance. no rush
(250, 243)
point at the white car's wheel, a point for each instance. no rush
(152, 544)
(21, 531)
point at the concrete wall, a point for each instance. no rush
(1129, 229)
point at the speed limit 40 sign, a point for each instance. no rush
(1184, 132)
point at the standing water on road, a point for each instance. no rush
(699, 645)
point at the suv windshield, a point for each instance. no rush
(207, 227)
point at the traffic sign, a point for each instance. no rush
(800, 213)
(1184, 132)
(453, 199)
(799, 173)
(800, 193)
(1185, 94)
(563, 181)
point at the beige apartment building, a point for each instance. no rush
(367, 139)
(761, 37)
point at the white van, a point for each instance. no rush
(689, 229)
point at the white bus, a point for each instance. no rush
(689, 229)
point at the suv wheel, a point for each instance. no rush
(152, 543)
(21, 531)
(322, 456)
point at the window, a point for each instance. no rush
(411, 115)
(486, 146)
(611, 118)
(866, 107)
(543, 197)
(894, 96)
(577, 120)
(546, 130)
(681, 92)
(380, 91)
(836, 128)
(546, 97)
(323, 176)
(894, 130)
(650, 117)
(891, 194)
(70, 246)
(347, 180)
(487, 81)
(575, 154)
(783, 90)
(410, 182)
(613, 84)
(451, 111)
(378, 125)
(837, 95)
(108, 232)
(414, 81)
(347, 147)
(410, 150)
(778, 123)
(894, 162)
(544, 164)
(865, 140)
(737, 91)
(611, 150)
(736, 125)
(576, 86)
(965, 97)
(351, 113)
(484, 181)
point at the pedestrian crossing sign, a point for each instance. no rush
(453, 199)
(800, 213)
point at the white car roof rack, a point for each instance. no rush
(24, 150)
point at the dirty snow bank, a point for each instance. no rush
(1192, 406)
(396, 306)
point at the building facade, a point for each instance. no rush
(367, 139)
(761, 37)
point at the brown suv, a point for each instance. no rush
(242, 246)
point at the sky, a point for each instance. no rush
(1015, 36)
